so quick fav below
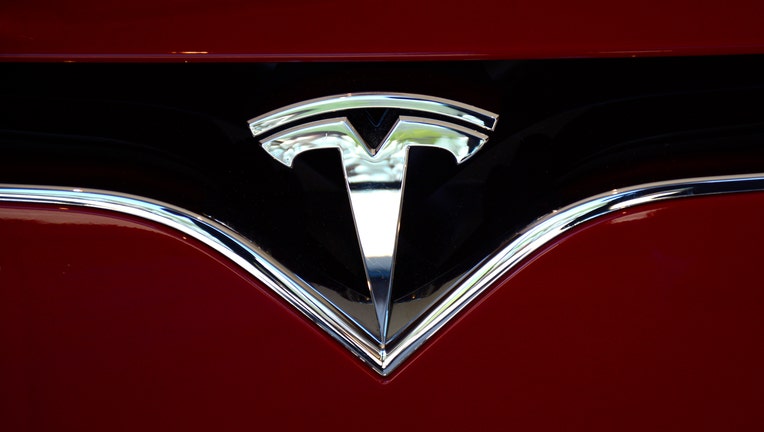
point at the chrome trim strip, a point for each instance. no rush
(302, 110)
(461, 292)
(219, 237)
(542, 232)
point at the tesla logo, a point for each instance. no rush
(375, 172)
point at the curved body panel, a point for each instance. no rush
(344, 29)
(185, 340)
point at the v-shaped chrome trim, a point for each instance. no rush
(323, 312)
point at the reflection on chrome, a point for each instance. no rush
(375, 181)
(313, 107)
(375, 178)
(458, 293)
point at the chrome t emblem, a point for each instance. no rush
(375, 174)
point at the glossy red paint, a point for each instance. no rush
(647, 319)
(345, 29)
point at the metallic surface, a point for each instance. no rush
(82, 30)
(374, 173)
(446, 303)
(302, 110)
(648, 318)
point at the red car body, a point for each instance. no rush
(647, 318)
(232, 30)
